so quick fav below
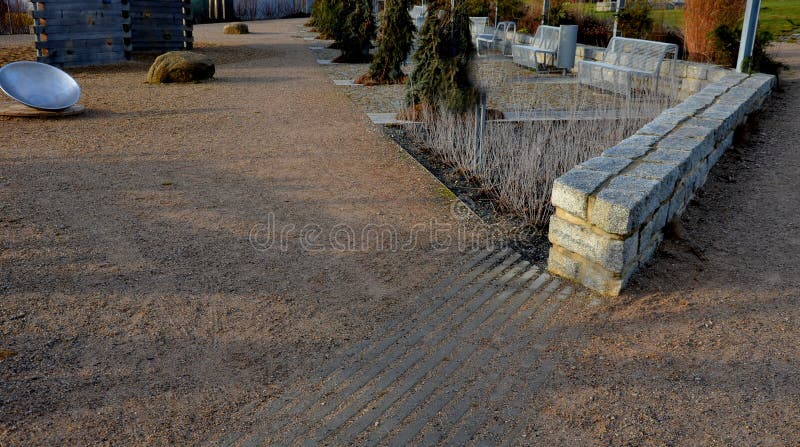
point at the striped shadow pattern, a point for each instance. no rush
(435, 377)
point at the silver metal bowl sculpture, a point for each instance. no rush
(39, 85)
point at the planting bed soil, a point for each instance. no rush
(509, 185)
(505, 227)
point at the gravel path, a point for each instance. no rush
(13, 40)
(133, 307)
(434, 378)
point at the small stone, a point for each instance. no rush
(180, 66)
(236, 28)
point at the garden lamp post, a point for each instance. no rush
(452, 15)
(545, 11)
(748, 33)
(620, 4)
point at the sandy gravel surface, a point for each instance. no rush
(704, 347)
(133, 308)
(17, 47)
(13, 40)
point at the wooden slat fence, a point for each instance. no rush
(73, 33)
(161, 25)
(82, 32)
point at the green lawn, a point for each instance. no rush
(773, 16)
(669, 17)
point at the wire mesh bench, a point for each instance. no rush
(544, 43)
(477, 25)
(628, 64)
(501, 34)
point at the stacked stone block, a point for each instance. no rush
(611, 210)
(690, 76)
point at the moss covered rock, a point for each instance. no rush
(236, 28)
(180, 66)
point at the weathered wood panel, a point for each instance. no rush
(82, 32)
(161, 25)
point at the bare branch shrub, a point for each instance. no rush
(14, 17)
(519, 160)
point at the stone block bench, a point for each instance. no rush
(611, 210)
(689, 77)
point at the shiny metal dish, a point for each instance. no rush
(39, 85)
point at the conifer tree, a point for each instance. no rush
(396, 39)
(324, 15)
(442, 73)
(354, 31)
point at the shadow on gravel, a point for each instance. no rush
(701, 348)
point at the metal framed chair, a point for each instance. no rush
(477, 25)
(504, 33)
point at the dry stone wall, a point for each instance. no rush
(611, 210)
(690, 76)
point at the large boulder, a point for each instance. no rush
(180, 66)
(236, 28)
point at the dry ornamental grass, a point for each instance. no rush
(518, 161)
(702, 17)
